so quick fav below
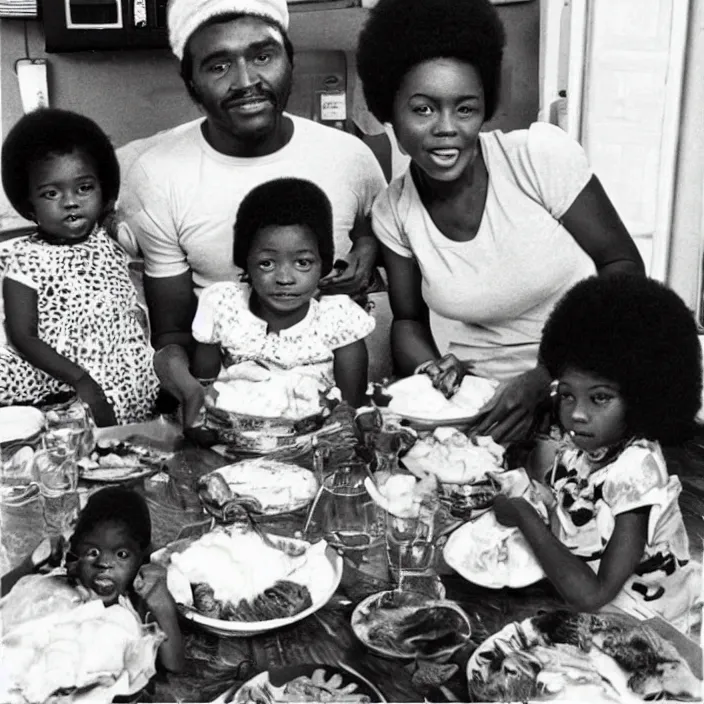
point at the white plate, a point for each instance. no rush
(113, 475)
(19, 423)
(521, 636)
(464, 546)
(415, 400)
(280, 487)
(238, 694)
(321, 573)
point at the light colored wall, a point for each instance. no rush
(685, 262)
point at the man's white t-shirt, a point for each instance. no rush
(179, 196)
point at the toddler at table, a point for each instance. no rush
(107, 559)
(626, 355)
(284, 244)
(71, 311)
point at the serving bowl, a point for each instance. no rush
(363, 622)
(259, 434)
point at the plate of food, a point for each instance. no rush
(240, 583)
(269, 487)
(408, 625)
(576, 656)
(125, 460)
(304, 683)
(465, 467)
(491, 555)
(418, 402)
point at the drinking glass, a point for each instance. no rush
(348, 516)
(410, 541)
(71, 426)
(56, 472)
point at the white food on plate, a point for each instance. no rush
(491, 555)
(453, 458)
(416, 397)
(277, 486)
(402, 495)
(236, 566)
(250, 390)
(19, 423)
(88, 645)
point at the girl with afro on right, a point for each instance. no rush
(627, 359)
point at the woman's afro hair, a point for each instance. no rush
(399, 34)
(284, 201)
(52, 132)
(116, 504)
(639, 334)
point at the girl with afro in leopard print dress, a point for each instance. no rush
(71, 311)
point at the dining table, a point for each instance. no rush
(216, 664)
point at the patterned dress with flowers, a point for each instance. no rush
(592, 489)
(224, 318)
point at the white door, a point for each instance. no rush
(625, 63)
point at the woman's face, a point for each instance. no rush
(438, 112)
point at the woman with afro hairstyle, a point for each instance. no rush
(71, 310)
(486, 230)
(283, 241)
(627, 359)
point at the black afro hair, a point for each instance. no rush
(186, 66)
(47, 132)
(639, 334)
(399, 34)
(285, 201)
(118, 504)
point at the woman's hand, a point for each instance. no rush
(150, 586)
(91, 393)
(511, 413)
(445, 373)
(508, 511)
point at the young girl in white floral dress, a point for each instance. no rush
(627, 358)
(284, 244)
(71, 311)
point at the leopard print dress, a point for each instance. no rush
(87, 310)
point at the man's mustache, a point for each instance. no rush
(238, 96)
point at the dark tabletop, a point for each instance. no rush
(215, 663)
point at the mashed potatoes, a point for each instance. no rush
(236, 567)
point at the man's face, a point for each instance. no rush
(242, 78)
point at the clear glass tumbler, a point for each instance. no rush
(56, 472)
(410, 541)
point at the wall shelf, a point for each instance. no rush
(329, 25)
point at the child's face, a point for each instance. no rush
(284, 267)
(65, 196)
(108, 560)
(592, 410)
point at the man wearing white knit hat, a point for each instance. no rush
(180, 196)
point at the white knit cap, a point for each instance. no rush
(186, 16)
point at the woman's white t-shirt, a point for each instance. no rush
(490, 297)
